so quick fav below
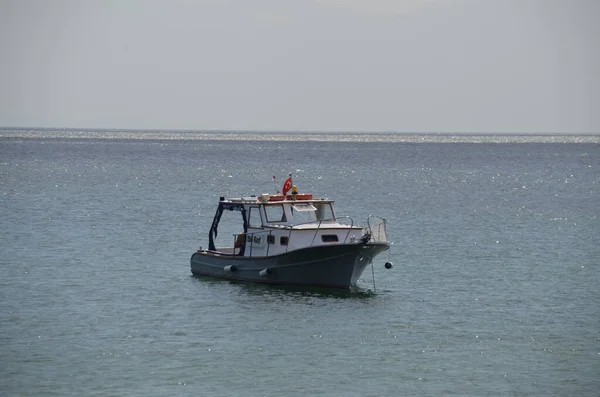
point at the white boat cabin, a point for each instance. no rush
(274, 224)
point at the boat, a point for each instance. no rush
(291, 239)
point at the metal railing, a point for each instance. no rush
(329, 220)
(375, 231)
(252, 238)
(377, 228)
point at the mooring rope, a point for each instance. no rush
(373, 273)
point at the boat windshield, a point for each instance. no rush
(254, 217)
(302, 213)
(311, 212)
(324, 211)
(275, 213)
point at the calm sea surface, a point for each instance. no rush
(495, 289)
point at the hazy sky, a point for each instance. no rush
(333, 65)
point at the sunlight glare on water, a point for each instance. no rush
(493, 289)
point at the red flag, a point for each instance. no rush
(287, 185)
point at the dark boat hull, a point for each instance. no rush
(337, 266)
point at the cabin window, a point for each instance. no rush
(329, 238)
(303, 207)
(254, 217)
(324, 211)
(275, 213)
(284, 240)
(303, 213)
(270, 239)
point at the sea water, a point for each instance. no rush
(494, 289)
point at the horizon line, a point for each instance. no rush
(236, 131)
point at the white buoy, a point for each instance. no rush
(264, 272)
(230, 268)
